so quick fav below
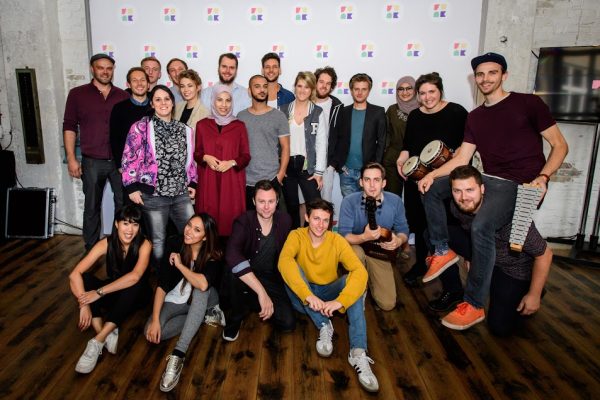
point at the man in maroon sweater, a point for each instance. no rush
(88, 111)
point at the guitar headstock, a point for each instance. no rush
(370, 203)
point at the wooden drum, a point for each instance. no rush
(435, 154)
(414, 169)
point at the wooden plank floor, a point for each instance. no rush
(557, 355)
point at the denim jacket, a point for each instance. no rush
(284, 96)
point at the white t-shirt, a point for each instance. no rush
(272, 103)
(297, 140)
(326, 106)
(175, 296)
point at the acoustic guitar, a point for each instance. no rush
(372, 248)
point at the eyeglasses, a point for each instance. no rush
(405, 89)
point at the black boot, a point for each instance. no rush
(446, 302)
(414, 276)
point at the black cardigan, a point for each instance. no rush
(169, 276)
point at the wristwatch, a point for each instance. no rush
(100, 292)
(234, 163)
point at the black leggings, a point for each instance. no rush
(415, 215)
(297, 177)
(118, 305)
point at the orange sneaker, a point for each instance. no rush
(438, 264)
(463, 317)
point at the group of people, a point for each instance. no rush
(246, 178)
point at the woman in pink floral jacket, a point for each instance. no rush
(158, 169)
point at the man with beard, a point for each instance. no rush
(359, 135)
(508, 130)
(518, 278)
(252, 254)
(331, 105)
(228, 65)
(267, 128)
(131, 110)
(271, 69)
(175, 66)
(87, 111)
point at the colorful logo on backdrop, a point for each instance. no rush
(278, 49)
(213, 14)
(459, 48)
(414, 50)
(342, 88)
(150, 50)
(440, 10)
(257, 14)
(192, 51)
(346, 12)
(388, 87)
(127, 15)
(301, 13)
(108, 49)
(235, 49)
(367, 50)
(169, 15)
(322, 51)
(392, 12)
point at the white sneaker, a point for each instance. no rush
(111, 341)
(170, 377)
(324, 345)
(360, 361)
(89, 358)
(215, 317)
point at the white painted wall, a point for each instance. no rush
(51, 36)
(517, 29)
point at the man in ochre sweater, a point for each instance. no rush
(308, 264)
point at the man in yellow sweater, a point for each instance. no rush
(308, 264)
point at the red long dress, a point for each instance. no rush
(222, 194)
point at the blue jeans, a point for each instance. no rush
(495, 212)
(157, 211)
(349, 181)
(357, 324)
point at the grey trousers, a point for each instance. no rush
(185, 319)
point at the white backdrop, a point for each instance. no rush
(386, 39)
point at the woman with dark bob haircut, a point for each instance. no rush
(158, 169)
(124, 290)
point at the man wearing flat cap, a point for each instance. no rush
(507, 130)
(87, 112)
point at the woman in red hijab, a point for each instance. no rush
(222, 154)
